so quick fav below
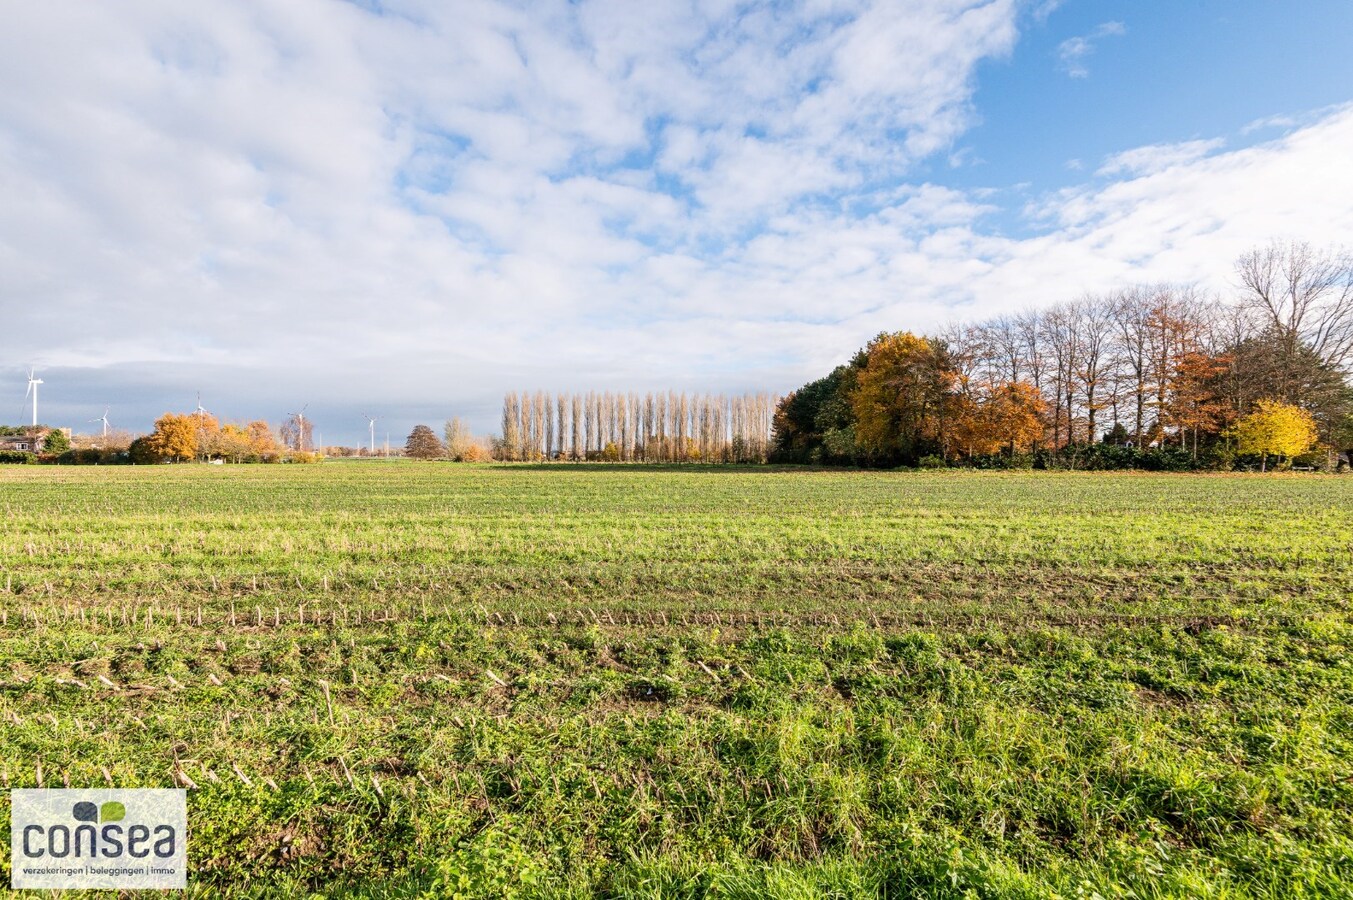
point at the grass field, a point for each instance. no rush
(400, 680)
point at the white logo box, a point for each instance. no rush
(98, 838)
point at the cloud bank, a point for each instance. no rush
(412, 206)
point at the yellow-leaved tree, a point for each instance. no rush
(1016, 415)
(898, 400)
(1278, 429)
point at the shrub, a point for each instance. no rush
(1168, 459)
(1318, 457)
(1101, 457)
(1104, 457)
(1002, 461)
(931, 461)
(1220, 458)
(143, 452)
(86, 457)
(18, 457)
(475, 453)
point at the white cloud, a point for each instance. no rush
(424, 208)
(1155, 157)
(1044, 8)
(1269, 122)
(1074, 52)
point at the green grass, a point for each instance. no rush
(657, 682)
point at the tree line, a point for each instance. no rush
(179, 437)
(200, 436)
(623, 426)
(460, 443)
(1154, 375)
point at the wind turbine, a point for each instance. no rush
(104, 419)
(371, 424)
(33, 389)
(201, 410)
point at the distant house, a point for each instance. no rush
(32, 442)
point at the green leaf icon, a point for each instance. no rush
(112, 811)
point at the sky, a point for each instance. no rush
(407, 207)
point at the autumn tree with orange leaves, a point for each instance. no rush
(253, 442)
(997, 418)
(1195, 405)
(199, 436)
(175, 437)
(900, 401)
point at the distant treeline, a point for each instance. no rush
(180, 437)
(630, 427)
(1158, 376)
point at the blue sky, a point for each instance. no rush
(1169, 72)
(409, 207)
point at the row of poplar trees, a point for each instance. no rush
(1159, 367)
(628, 427)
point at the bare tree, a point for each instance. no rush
(511, 441)
(719, 426)
(1005, 347)
(683, 432)
(530, 436)
(1094, 330)
(660, 427)
(1172, 328)
(1033, 351)
(459, 438)
(1234, 329)
(636, 424)
(1131, 311)
(547, 410)
(576, 422)
(1304, 294)
(561, 417)
(297, 432)
(650, 428)
(1060, 334)
(589, 425)
(612, 433)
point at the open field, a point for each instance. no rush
(431, 680)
